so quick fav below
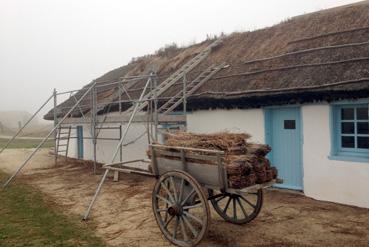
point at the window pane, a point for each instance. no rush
(347, 128)
(363, 128)
(363, 142)
(289, 124)
(347, 113)
(348, 142)
(362, 113)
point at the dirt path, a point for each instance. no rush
(10, 159)
(123, 214)
(22, 137)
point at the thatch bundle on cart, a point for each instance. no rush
(246, 162)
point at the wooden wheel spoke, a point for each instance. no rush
(242, 208)
(166, 205)
(193, 206)
(174, 189)
(181, 190)
(183, 229)
(220, 198)
(226, 206)
(165, 200)
(167, 223)
(168, 192)
(189, 225)
(234, 208)
(188, 196)
(162, 210)
(175, 228)
(193, 217)
(248, 202)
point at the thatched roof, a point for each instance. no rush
(322, 56)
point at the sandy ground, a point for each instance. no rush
(123, 215)
(10, 159)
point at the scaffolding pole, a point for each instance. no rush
(125, 132)
(185, 97)
(45, 139)
(156, 117)
(93, 126)
(55, 94)
(29, 120)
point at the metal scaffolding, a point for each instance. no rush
(145, 109)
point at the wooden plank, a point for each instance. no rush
(130, 171)
(252, 188)
(189, 149)
(116, 176)
(187, 155)
(183, 159)
(205, 174)
(154, 162)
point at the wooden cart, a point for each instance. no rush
(186, 179)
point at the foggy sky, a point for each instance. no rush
(64, 44)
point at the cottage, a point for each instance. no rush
(301, 86)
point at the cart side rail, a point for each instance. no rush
(204, 164)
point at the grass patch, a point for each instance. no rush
(28, 219)
(25, 143)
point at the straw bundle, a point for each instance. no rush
(245, 161)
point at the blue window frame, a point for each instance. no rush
(350, 130)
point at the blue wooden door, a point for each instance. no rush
(283, 129)
(80, 142)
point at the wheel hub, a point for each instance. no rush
(175, 210)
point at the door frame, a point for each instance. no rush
(269, 134)
(80, 144)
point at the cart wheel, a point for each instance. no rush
(235, 208)
(180, 208)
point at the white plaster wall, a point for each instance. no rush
(250, 121)
(324, 179)
(106, 148)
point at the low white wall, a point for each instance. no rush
(250, 121)
(324, 179)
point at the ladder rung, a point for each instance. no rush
(62, 145)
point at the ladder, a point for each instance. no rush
(63, 138)
(171, 80)
(176, 100)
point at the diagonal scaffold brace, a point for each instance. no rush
(133, 113)
(47, 137)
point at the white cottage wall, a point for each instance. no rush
(324, 179)
(106, 148)
(250, 121)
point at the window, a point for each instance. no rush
(290, 124)
(351, 130)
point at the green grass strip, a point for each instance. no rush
(27, 219)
